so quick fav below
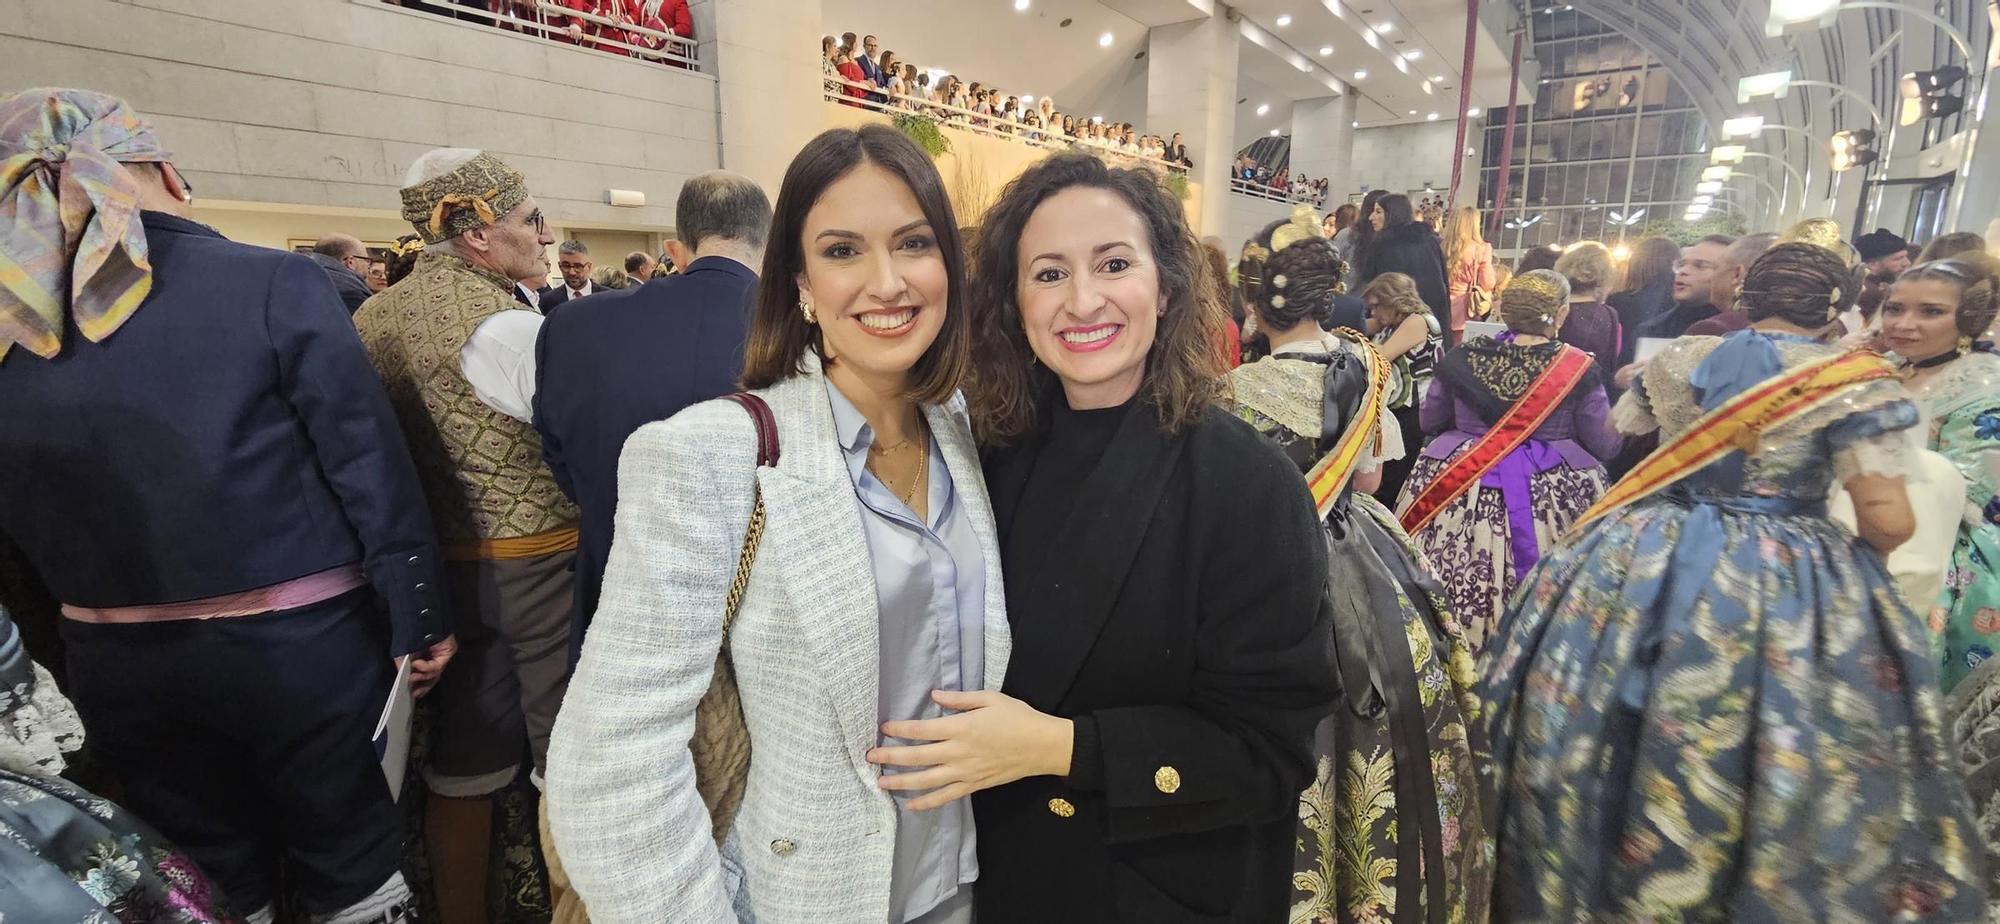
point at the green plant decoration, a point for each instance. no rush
(1176, 182)
(925, 132)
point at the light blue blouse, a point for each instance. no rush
(930, 591)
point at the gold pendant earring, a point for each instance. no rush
(1965, 343)
(806, 309)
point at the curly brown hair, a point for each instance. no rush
(1184, 370)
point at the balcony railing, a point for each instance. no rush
(1256, 190)
(543, 19)
(990, 126)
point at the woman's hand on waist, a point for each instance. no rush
(994, 740)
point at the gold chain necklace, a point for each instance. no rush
(909, 495)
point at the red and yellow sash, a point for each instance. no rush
(1328, 478)
(1510, 431)
(1737, 424)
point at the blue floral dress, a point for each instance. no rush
(1713, 704)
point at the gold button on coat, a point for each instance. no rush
(1167, 780)
(1061, 808)
(783, 847)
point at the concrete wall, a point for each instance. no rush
(1247, 216)
(1402, 158)
(323, 104)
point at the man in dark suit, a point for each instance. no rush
(623, 359)
(870, 60)
(204, 469)
(346, 262)
(573, 259)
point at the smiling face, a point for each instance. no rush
(1089, 294)
(1920, 318)
(875, 279)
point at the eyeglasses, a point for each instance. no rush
(537, 221)
(566, 265)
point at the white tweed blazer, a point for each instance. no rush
(815, 837)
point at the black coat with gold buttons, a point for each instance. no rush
(1164, 592)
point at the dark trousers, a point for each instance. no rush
(247, 741)
(1397, 471)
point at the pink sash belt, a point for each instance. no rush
(286, 595)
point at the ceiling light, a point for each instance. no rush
(1413, 54)
(1431, 118)
(1799, 15)
(1098, 119)
(1020, 5)
(1355, 124)
(1924, 83)
(1263, 108)
(1274, 133)
(1361, 75)
(1727, 154)
(1386, 28)
(1284, 19)
(1413, 112)
(1745, 127)
(1859, 138)
(1717, 172)
(1704, 199)
(1370, 38)
(1104, 41)
(1325, 50)
(1708, 186)
(1027, 98)
(1427, 88)
(1473, 112)
(1776, 85)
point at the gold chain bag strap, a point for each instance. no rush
(721, 744)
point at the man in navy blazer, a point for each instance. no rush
(624, 358)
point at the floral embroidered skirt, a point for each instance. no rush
(1392, 825)
(1470, 545)
(1967, 616)
(66, 855)
(1722, 711)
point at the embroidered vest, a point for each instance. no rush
(482, 470)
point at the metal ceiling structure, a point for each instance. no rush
(1709, 45)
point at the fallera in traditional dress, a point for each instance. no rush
(1391, 827)
(1712, 704)
(1485, 540)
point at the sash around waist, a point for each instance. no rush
(561, 539)
(317, 587)
(1748, 503)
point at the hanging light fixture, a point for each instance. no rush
(1925, 83)
(1727, 154)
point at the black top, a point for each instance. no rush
(1414, 250)
(1164, 593)
(1636, 308)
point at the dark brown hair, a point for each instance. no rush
(1396, 210)
(1804, 284)
(1364, 230)
(1652, 261)
(779, 335)
(1977, 277)
(1184, 373)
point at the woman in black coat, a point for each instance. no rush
(1164, 581)
(1402, 244)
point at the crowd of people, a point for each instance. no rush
(1279, 181)
(868, 568)
(859, 70)
(634, 28)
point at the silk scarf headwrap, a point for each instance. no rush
(71, 243)
(472, 196)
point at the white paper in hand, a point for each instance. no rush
(1649, 347)
(392, 730)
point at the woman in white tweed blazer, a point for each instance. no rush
(877, 582)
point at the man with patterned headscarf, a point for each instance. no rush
(201, 467)
(458, 354)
